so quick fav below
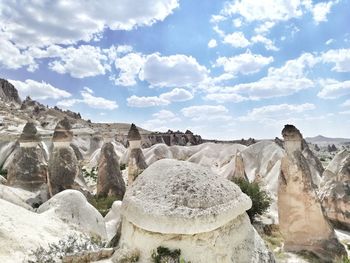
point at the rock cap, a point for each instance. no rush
(291, 133)
(134, 134)
(29, 133)
(62, 131)
(178, 197)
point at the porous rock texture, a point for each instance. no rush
(63, 170)
(181, 205)
(301, 218)
(109, 181)
(335, 190)
(72, 207)
(63, 131)
(113, 219)
(28, 169)
(8, 92)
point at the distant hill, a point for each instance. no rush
(322, 140)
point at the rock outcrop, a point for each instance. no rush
(302, 221)
(181, 205)
(28, 169)
(136, 162)
(109, 181)
(64, 170)
(8, 92)
(239, 167)
(335, 190)
(72, 207)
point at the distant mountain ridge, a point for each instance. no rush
(320, 139)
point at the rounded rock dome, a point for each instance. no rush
(180, 197)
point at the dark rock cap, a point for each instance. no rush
(29, 133)
(62, 131)
(290, 132)
(134, 134)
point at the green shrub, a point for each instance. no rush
(3, 172)
(122, 166)
(90, 174)
(165, 255)
(103, 204)
(261, 201)
(72, 244)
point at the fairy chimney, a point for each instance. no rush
(62, 135)
(136, 163)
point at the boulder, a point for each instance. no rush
(335, 190)
(181, 205)
(113, 219)
(109, 181)
(72, 207)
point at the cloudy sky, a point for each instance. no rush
(224, 69)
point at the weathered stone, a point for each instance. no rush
(29, 134)
(134, 134)
(110, 181)
(8, 92)
(62, 131)
(335, 190)
(181, 205)
(63, 169)
(136, 164)
(302, 222)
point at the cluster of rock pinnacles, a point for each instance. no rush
(32, 170)
(302, 220)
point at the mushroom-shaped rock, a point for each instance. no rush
(110, 181)
(72, 207)
(28, 168)
(183, 205)
(62, 133)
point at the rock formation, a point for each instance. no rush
(8, 92)
(239, 167)
(64, 169)
(28, 169)
(302, 222)
(335, 190)
(110, 181)
(136, 162)
(181, 205)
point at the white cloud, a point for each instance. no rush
(270, 10)
(44, 23)
(172, 71)
(329, 41)
(346, 103)
(268, 43)
(212, 43)
(345, 112)
(12, 58)
(321, 10)
(341, 58)
(81, 62)
(283, 81)
(225, 97)
(143, 102)
(332, 89)
(164, 115)
(246, 63)
(39, 90)
(236, 39)
(264, 27)
(276, 112)
(90, 100)
(129, 66)
(206, 112)
(177, 94)
(237, 22)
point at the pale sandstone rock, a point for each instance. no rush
(183, 205)
(72, 207)
(335, 190)
(301, 219)
(113, 219)
(110, 181)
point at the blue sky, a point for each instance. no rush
(223, 69)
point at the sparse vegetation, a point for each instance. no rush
(92, 174)
(261, 201)
(122, 166)
(72, 244)
(343, 259)
(165, 255)
(103, 204)
(3, 172)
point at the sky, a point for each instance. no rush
(222, 69)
